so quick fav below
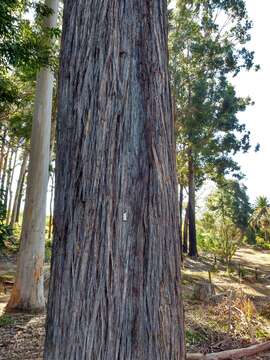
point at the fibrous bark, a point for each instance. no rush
(115, 277)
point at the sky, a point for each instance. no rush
(256, 166)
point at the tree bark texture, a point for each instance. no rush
(28, 292)
(115, 276)
(191, 208)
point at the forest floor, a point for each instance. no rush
(231, 312)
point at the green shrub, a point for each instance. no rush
(6, 319)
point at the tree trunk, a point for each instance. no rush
(181, 196)
(191, 208)
(28, 294)
(2, 151)
(4, 170)
(7, 184)
(51, 210)
(10, 192)
(18, 189)
(115, 277)
(17, 220)
(185, 233)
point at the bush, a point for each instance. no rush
(220, 239)
(262, 244)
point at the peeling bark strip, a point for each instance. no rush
(114, 291)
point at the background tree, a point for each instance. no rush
(206, 48)
(28, 291)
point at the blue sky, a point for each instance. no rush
(256, 84)
(256, 166)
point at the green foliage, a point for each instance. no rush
(194, 337)
(25, 47)
(6, 319)
(22, 44)
(224, 224)
(220, 237)
(262, 244)
(207, 47)
(260, 218)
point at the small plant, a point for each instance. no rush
(194, 337)
(6, 320)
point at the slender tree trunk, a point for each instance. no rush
(185, 233)
(4, 169)
(115, 277)
(2, 151)
(17, 219)
(191, 211)
(8, 179)
(19, 189)
(181, 196)
(51, 210)
(28, 294)
(10, 192)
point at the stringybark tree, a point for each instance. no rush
(115, 282)
(28, 290)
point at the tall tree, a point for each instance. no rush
(207, 47)
(115, 286)
(27, 293)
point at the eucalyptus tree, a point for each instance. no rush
(28, 292)
(207, 48)
(115, 286)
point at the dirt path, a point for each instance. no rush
(255, 283)
(249, 256)
(22, 336)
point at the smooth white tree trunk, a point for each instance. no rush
(28, 292)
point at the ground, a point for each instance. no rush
(236, 316)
